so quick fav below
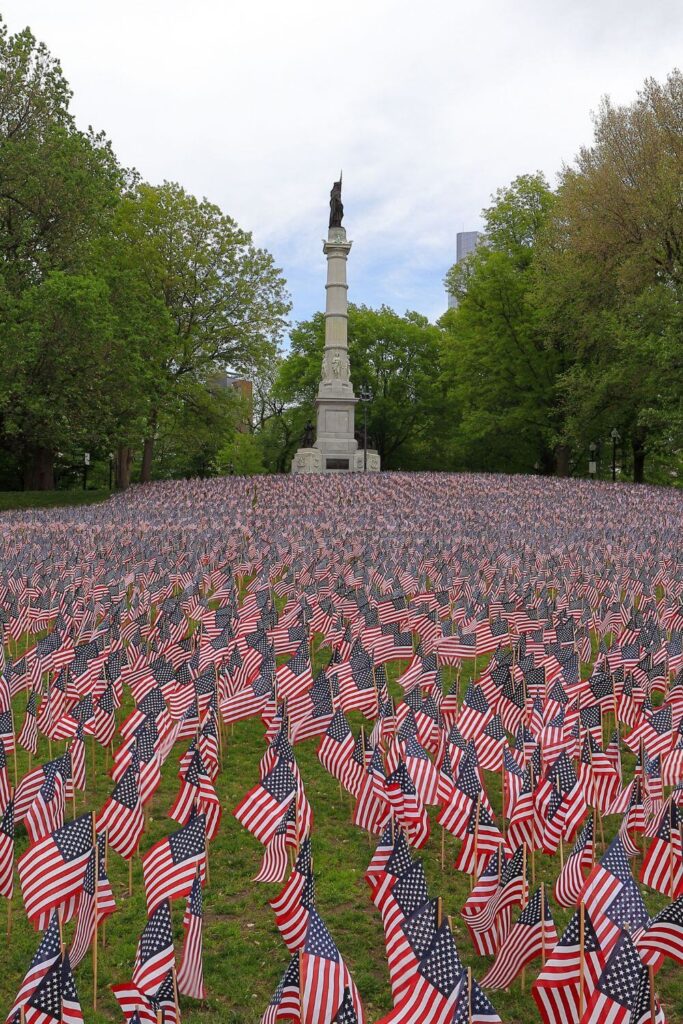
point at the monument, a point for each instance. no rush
(335, 449)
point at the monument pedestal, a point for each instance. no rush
(307, 460)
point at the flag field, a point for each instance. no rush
(244, 956)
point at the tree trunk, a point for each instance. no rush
(39, 472)
(638, 460)
(122, 464)
(147, 456)
(562, 460)
(148, 451)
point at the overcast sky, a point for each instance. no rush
(428, 106)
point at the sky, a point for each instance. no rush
(428, 106)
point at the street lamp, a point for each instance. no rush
(111, 469)
(615, 441)
(592, 464)
(86, 463)
(365, 396)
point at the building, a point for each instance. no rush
(243, 390)
(465, 243)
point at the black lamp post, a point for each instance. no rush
(615, 441)
(592, 465)
(111, 469)
(365, 397)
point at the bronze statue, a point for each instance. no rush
(307, 438)
(336, 206)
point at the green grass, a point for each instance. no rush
(244, 955)
(50, 499)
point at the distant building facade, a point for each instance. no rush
(243, 389)
(465, 244)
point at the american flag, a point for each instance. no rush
(122, 817)
(407, 895)
(473, 1005)
(612, 898)
(190, 978)
(263, 806)
(662, 867)
(274, 864)
(532, 935)
(571, 879)
(407, 805)
(664, 935)
(622, 994)
(568, 978)
(467, 790)
(71, 1007)
(197, 790)
(155, 953)
(170, 866)
(47, 954)
(433, 995)
(96, 898)
(51, 872)
(293, 904)
(324, 976)
(285, 1003)
(336, 747)
(489, 921)
(7, 848)
(137, 1008)
(481, 840)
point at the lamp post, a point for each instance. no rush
(592, 464)
(111, 469)
(365, 397)
(615, 441)
(86, 463)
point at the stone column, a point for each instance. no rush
(335, 449)
(336, 401)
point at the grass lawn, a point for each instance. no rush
(244, 955)
(49, 499)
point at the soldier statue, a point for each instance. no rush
(336, 206)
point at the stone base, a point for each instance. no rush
(311, 460)
(373, 462)
(307, 460)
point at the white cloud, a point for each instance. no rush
(428, 106)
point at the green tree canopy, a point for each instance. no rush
(500, 373)
(396, 357)
(610, 277)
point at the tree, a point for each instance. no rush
(57, 349)
(500, 373)
(58, 187)
(610, 275)
(221, 300)
(396, 357)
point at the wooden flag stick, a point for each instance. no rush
(476, 840)
(543, 923)
(175, 995)
(439, 912)
(16, 774)
(653, 1008)
(502, 788)
(94, 936)
(301, 983)
(582, 957)
(469, 995)
(130, 875)
(443, 847)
